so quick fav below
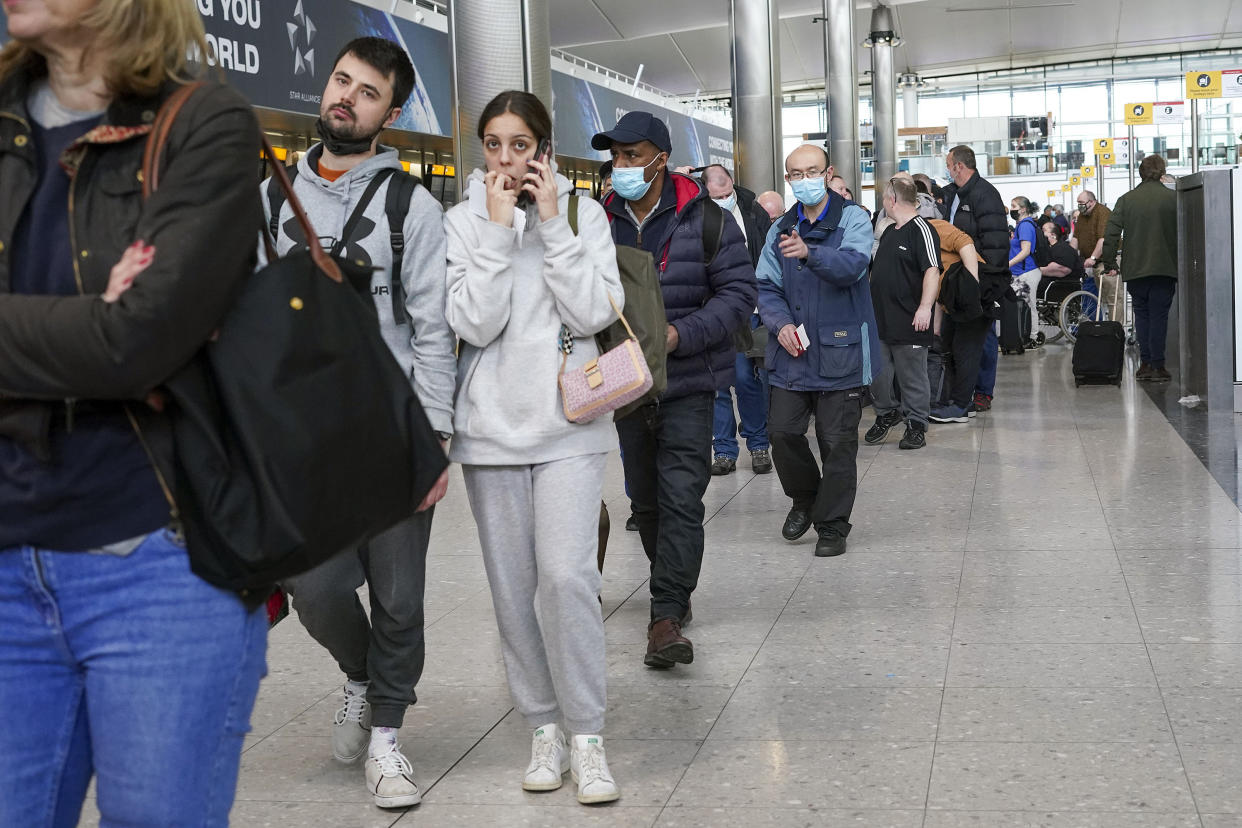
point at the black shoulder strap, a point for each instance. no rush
(397, 207)
(347, 232)
(276, 200)
(713, 230)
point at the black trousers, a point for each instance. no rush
(828, 493)
(666, 450)
(964, 342)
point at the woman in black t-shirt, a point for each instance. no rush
(1066, 264)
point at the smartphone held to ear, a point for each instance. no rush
(543, 153)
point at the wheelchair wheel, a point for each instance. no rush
(1073, 311)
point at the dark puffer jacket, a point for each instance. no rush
(705, 303)
(982, 215)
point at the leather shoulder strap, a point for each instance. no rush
(157, 141)
(573, 212)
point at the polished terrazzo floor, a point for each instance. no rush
(1038, 623)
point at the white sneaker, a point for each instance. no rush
(390, 779)
(351, 727)
(589, 768)
(549, 759)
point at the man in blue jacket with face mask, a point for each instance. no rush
(666, 445)
(815, 297)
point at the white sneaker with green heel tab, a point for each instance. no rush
(589, 768)
(549, 759)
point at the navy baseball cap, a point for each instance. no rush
(632, 128)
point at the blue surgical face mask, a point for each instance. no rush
(810, 191)
(727, 204)
(630, 182)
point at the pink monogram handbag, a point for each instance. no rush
(613, 379)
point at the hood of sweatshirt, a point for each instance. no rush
(359, 176)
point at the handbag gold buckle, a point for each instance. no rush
(595, 378)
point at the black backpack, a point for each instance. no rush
(396, 207)
(1043, 250)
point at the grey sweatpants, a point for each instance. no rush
(539, 528)
(389, 649)
(906, 367)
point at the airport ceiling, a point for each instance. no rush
(683, 45)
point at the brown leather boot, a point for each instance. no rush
(666, 645)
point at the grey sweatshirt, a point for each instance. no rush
(427, 351)
(508, 294)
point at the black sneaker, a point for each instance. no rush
(830, 544)
(631, 524)
(883, 425)
(723, 465)
(914, 438)
(760, 461)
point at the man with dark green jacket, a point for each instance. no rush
(1147, 218)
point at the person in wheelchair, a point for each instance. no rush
(1061, 277)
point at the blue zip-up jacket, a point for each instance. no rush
(829, 293)
(705, 303)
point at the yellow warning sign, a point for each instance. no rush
(1076, 180)
(1103, 145)
(1087, 172)
(1065, 188)
(1105, 157)
(1139, 114)
(1052, 194)
(1203, 85)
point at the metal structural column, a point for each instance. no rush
(497, 45)
(756, 65)
(883, 95)
(910, 84)
(841, 86)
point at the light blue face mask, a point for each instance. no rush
(810, 191)
(727, 204)
(630, 182)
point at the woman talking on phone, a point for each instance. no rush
(523, 288)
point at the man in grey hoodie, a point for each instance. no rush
(341, 183)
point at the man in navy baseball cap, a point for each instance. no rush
(633, 128)
(709, 291)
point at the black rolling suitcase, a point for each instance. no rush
(1015, 326)
(1099, 351)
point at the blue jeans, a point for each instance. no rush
(130, 668)
(751, 383)
(1152, 297)
(987, 363)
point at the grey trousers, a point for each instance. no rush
(389, 650)
(539, 528)
(906, 366)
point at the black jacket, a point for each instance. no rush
(203, 221)
(757, 222)
(981, 214)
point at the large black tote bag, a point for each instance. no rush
(296, 433)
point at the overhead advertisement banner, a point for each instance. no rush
(583, 109)
(278, 53)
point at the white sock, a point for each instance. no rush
(357, 688)
(383, 739)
